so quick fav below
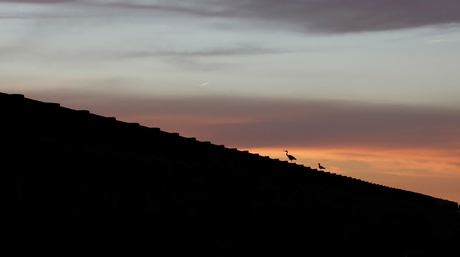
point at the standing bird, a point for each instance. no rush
(291, 158)
(320, 167)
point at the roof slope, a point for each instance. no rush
(77, 179)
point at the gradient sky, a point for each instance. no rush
(368, 88)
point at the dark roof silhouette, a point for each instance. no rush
(77, 182)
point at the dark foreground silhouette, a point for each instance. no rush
(75, 183)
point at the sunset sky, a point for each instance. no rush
(370, 89)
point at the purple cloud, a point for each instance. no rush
(338, 16)
(268, 123)
(323, 16)
(254, 122)
(38, 1)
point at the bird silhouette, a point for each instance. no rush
(291, 158)
(320, 167)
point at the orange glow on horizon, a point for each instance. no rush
(420, 170)
(430, 167)
(441, 162)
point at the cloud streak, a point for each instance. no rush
(341, 16)
(37, 1)
(216, 52)
(194, 60)
(330, 124)
(321, 16)
(258, 122)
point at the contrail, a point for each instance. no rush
(199, 86)
(435, 41)
(203, 85)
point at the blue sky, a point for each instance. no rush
(368, 88)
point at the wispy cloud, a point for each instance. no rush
(327, 16)
(37, 1)
(235, 51)
(355, 15)
(439, 41)
(323, 16)
(297, 123)
(195, 59)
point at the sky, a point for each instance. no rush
(369, 89)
